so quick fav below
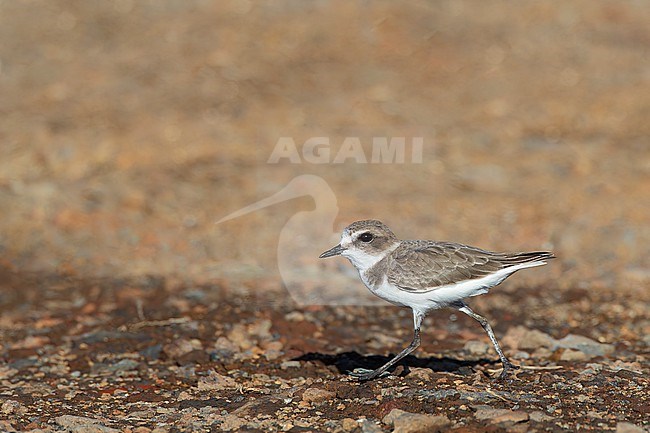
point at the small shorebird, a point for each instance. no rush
(427, 275)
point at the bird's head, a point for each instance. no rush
(364, 243)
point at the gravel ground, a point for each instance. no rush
(149, 355)
(128, 128)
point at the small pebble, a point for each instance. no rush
(317, 395)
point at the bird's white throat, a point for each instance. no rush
(361, 260)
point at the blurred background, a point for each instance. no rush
(128, 128)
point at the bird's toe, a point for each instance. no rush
(505, 375)
(363, 374)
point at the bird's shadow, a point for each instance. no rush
(346, 362)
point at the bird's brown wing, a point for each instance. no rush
(422, 266)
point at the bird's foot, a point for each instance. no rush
(507, 368)
(363, 374)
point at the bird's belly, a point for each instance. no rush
(389, 294)
(427, 300)
(394, 295)
(435, 297)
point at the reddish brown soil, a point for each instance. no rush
(128, 128)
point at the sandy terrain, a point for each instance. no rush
(129, 128)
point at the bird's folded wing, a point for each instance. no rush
(422, 266)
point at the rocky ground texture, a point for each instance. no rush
(127, 128)
(146, 356)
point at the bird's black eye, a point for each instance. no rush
(366, 237)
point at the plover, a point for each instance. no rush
(427, 275)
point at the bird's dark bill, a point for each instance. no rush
(332, 252)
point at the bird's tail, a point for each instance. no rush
(513, 259)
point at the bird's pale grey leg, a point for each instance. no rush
(364, 374)
(507, 365)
